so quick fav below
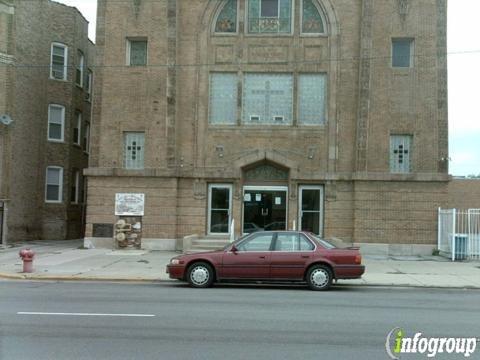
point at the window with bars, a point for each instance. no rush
(79, 71)
(54, 184)
(311, 99)
(270, 16)
(134, 150)
(58, 61)
(402, 53)
(56, 122)
(136, 52)
(400, 153)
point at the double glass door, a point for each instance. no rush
(264, 208)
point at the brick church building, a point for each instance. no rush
(322, 115)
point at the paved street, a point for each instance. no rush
(172, 321)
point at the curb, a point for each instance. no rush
(33, 277)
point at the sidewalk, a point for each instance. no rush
(66, 260)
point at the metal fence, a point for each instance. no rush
(459, 234)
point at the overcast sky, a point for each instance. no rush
(464, 77)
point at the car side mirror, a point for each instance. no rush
(233, 249)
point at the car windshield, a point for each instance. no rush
(324, 243)
(236, 241)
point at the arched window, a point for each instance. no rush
(227, 18)
(312, 21)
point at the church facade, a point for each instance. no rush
(327, 116)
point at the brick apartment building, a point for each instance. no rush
(46, 92)
(324, 115)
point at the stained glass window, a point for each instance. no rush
(227, 19)
(267, 99)
(312, 22)
(400, 153)
(223, 98)
(134, 150)
(311, 99)
(269, 16)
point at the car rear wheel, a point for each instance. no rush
(200, 275)
(319, 277)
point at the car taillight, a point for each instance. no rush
(358, 259)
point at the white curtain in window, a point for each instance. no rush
(223, 98)
(311, 99)
(268, 99)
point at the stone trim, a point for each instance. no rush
(171, 80)
(442, 86)
(364, 84)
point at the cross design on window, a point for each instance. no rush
(133, 149)
(401, 152)
(268, 92)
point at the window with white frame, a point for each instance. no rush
(136, 52)
(88, 85)
(75, 187)
(59, 61)
(402, 53)
(86, 138)
(267, 99)
(56, 122)
(80, 69)
(77, 128)
(134, 150)
(270, 16)
(219, 208)
(223, 98)
(54, 184)
(400, 153)
(311, 99)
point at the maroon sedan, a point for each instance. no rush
(270, 256)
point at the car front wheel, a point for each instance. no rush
(200, 275)
(319, 277)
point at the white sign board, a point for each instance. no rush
(129, 204)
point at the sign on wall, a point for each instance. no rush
(129, 204)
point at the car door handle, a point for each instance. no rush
(262, 257)
(305, 256)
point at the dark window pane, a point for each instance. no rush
(311, 222)
(220, 198)
(55, 131)
(53, 192)
(219, 221)
(269, 8)
(311, 199)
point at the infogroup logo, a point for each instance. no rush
(398, 344)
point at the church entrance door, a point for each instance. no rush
(264, 208)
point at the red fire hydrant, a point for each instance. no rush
(27, 256)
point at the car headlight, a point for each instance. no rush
(175, 261)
